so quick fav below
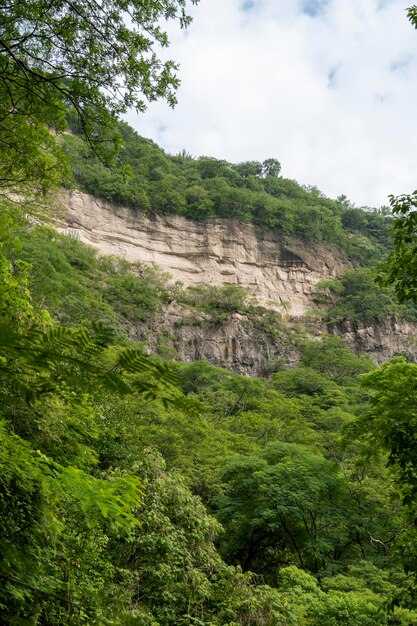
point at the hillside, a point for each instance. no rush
(141, 484)
(259, 505)
(278, 275)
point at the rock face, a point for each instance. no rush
(382, 339)
(238, 343)
(279, 272)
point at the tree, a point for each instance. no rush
(391, 422)
(306, 381)
(390, 426)
(249, 168)
(412, 15)
(400, 269)
(332, 357)
(285, 504)
(271, 167)
(354, 218)
(356, 297)
(94, 59)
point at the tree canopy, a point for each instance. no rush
(138, 491)
(93, 59)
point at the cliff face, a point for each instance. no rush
(240, 343)
(243, 345)
(381, 340)
(279, 272)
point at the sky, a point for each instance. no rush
(327, 87)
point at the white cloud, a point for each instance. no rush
(328, 88)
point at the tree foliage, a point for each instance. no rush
(357, 297)
(203, 188)
(400, 269)
(91, 59)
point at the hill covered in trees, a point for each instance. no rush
(147, 179)
(141, 490)
(138, 490)
(135, 490)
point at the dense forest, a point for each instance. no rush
(135, 490)
(139, 490)
(147, 179)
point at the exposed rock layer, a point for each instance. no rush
(240, 345)
(382, 339)
(279, 272)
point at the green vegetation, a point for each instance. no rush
(219, 302)
(227, 298)
(135, 493)
(356, 297)
(400, 269)
(147, 179)
(84, 60)
(78, 287)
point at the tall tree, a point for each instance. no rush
(400, 269)
(96, 59)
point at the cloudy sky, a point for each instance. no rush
(328, 87)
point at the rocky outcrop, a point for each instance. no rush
(382, 339)
(279, 272)
(239, 343)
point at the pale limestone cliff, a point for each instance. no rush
(280, 272)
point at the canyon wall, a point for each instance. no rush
(279, 272)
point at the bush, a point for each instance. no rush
(217, 300)
(356, 297)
